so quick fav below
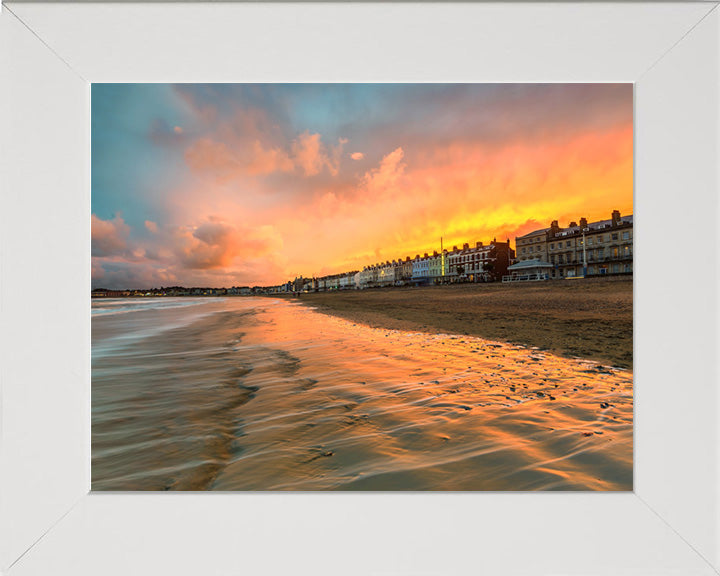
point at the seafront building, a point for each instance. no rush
(404, 270)
(386, 274)
(436, 267)
(582, 249)
(480, 263)
(420, 269)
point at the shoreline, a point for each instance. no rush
(590, 319)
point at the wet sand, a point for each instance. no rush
(590, 319)
(266, 394)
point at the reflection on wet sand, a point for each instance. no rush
(260, 394)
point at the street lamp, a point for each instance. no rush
(584, 252)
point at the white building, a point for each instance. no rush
(368, 277)
(347, 281)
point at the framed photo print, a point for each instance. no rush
(359, 288)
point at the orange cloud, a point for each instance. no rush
(209, 155)
(311, 156)
(216, 243)
(390, 169)
(266, 161)
(466, 193)
(308, 153)
(109, 237)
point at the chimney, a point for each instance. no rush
(454, 248)
(478, 244)
(554, 226)
(466, 246)
(616, 217)
(425, 255)
(573, 224)
(434, 252)
(583, 222)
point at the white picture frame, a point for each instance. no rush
(51, 524)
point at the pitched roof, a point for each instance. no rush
(533, 233)
(596, 226)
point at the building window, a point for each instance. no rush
(552, 246)
(626, 235)
(599, 239)
(589, 241)
(615, 236)
(567, 244)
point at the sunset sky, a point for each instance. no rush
(254, 184)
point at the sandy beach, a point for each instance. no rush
(589, 319)
(268, 394)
